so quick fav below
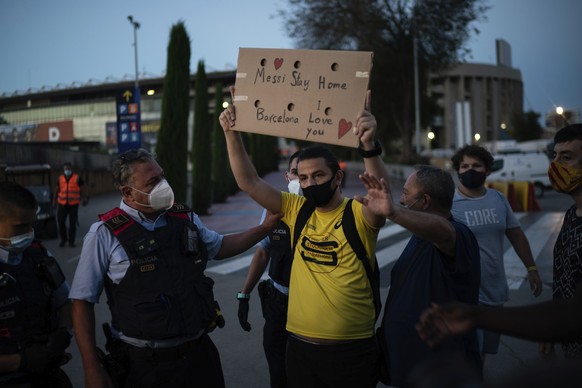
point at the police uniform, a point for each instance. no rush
(154, 287)
(29, 299)
(274, 294)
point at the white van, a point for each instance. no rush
(531, 167)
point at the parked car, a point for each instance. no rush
(37, 179)
(529, 167)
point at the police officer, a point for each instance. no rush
(35, 313)
(68, 194)
(149, 255)
(274, 292)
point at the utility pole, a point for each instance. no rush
(135, 25)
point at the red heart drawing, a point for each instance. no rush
(278, 63)
(344, 127)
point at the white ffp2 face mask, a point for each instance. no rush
(160, 198)
(295, 187)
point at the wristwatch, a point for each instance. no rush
(242, 295)
(377, 150)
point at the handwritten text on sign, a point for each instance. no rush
(312, 95)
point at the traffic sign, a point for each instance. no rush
(128, 120)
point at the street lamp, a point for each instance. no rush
(135, 25)
(431, 136)
(560, 112)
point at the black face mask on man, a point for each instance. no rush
(472, 179)
(320, 195)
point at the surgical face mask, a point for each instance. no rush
(160, 198)
(564, 179)
(68, 173)
(320, 195)
(295, 187)
(472, 179)
(18, 243)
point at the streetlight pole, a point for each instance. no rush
(416, 92)
(129, 123)
(135, 25)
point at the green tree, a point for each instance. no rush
(387, 27)
(222, 178)
(172, 145)
(526, 126)
(201, 147)
(264, 153)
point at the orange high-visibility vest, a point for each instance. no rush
(69, 191)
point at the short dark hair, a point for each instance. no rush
(67, 164)
(474, 151)
(123, 166)
(14, 195)
(318, 151)
(437, 183)
(568, 133)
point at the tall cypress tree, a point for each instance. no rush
(263, 151)
(172, 145)
(201, 147)
(222, 178)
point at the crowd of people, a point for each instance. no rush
(324, 325)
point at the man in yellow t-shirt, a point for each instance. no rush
(331, 309)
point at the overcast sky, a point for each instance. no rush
(50, 42)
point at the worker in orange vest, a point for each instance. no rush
(68, 196)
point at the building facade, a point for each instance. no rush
(477, 102)
(88, 112)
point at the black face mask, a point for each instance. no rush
(472, 179)
(319, 195)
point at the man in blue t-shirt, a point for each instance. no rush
(440, 263)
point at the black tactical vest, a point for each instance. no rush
(27, 305)
(164, 293)
(281, 254)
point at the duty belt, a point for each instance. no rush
(270, 291)
(164, 354)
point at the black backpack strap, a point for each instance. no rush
(349, 227)
(304, 213)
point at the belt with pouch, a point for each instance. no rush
(268, 290)
(164, 354)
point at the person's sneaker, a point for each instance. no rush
(62, 244)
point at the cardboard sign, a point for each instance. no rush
(312, 95)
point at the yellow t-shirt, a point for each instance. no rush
(329, 293)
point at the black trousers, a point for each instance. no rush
(347, 365)
(63, 212)
(52, 378)
(195, 364)
(274, 304)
